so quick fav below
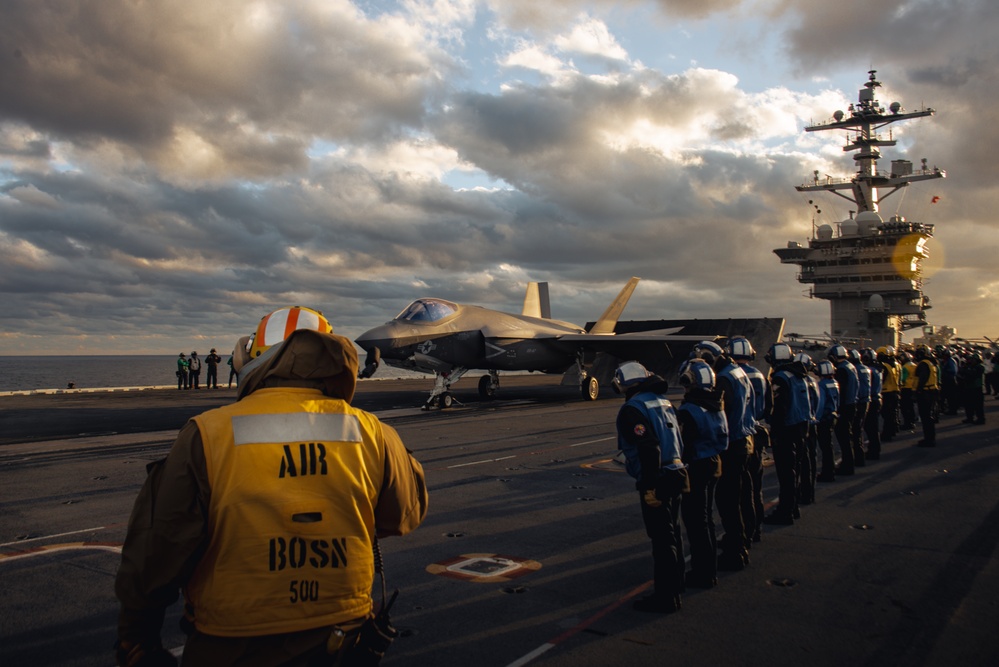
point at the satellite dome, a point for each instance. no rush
(824, 232)
(895, 107)
(848, 227)
(876, 302)
(838, 116)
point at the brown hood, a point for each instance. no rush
(305, 358)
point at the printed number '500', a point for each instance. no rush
(304, 591)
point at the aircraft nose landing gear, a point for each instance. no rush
(440, 396)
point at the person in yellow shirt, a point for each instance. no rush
(266, 512)
(890, 389)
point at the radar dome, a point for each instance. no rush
(824, 232)
(895, 107)
(867, 222)
(876, 302)
(838, 116)
(848, 227)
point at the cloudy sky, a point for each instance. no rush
(172, 171)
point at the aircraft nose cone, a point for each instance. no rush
(373, 337)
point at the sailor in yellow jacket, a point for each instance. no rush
(265, 511)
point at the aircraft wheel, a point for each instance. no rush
(486, 389)
(446, 400)
(590, 388)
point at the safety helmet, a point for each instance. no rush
(707, 350)
(780, 353)
(740, 348)
(903, 356)
(804, 360)
(826, 368)
(854, 356)
(922, 352)
(886, 353)
(837, 352)
(868, 355)
(629, 374)
(273, 329)
(697, 373)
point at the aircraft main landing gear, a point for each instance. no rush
(589, 388)
(488, 384)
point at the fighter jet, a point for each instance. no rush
(448, 339)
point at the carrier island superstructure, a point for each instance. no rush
(869, 269)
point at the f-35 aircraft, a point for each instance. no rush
(448, 339)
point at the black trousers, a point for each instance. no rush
(857, 431)
(732, 484)
(927, 400)
(697, 509)
(806, 465)
(786, 442)
(872, 428)
(889, 415)
(662, 525)
(974, 403)
(907, 405)
(754, 465)
(844, 436)
(823, 435)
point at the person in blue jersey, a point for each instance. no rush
(733, 492)
(826, 416)
(789, 424)
(872, 422)
(741, 351)
(948, 368)
(807, 456)
(704, 431)
(649, 436)
(849, 385)
(863, 406)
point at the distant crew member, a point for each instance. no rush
(212, 361)
(927, 394)
(733, 494)
(182, 371)
(849, 385)
(195, 370)
(948, 368)
(788, 425)
(704, 431)
(973, 388)
(807, 463)
(872, 420)
(890, 390)
(649, 436)
(827, 414)
(265, 512)
(907, 391)
(741, 351)
(863, 405)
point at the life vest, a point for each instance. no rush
(828, 399)
(798, 405)
(295, 478)
(890, 381)
(864, 386)
(659, 412)
(739, 411)
(759, 382)
(849, 384)
(932, 382)
(909, 378)
(814, 398)
(712, 430)
(875, 383)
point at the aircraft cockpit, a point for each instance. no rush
(427, 310)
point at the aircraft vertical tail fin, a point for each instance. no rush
(536, 303)
(607, 321)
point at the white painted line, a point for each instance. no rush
(52, 537)
(590, 442)
(475, 463)
(544, 648)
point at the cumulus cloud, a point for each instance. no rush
(166, 175)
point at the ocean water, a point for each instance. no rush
(106, 372)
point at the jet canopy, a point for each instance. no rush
(427, 310)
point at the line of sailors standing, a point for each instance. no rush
(709, 449)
